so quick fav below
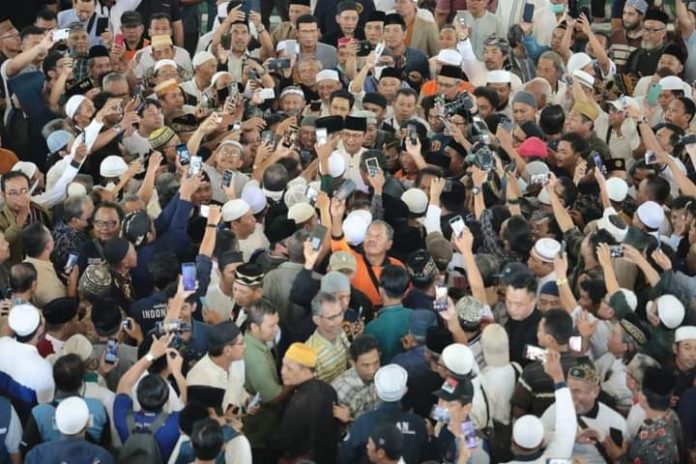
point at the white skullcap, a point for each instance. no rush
(76, 189)
(72, 415)
(450, 56)
(685, 332)
(217, 76)
(584, 78)
(416, 200)
(24, 319)
(301, 212)
(670, 311)
(337, 165)
(295, 194)
(112, 166)
(604, 223)
(253, 195)
(328, 75)
(672, 83)
(390, 382)
(283, 43)
(498, 77)
(292, 91)
(73, 104)
(234, 209)
(546, 249)
(201, 57)
(631, 298)
(528, 432)
(651, 214)
(578, 61)
(355, 226)
(617, 189)
(537, 167)
(165, 62)
(459, 359)
(26, 167)
(623, 103)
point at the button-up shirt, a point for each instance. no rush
(206, 373)
(49, 287)
(332, 356)
(354, 393)
(67, 240)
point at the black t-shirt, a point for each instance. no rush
(23, 13)
(149, 7)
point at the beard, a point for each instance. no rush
(644, 44)
(631, 27)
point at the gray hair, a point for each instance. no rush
(638, 365)
(295, 246)
(320, 299)
(387, 227)
(113, 77)
(544, 85)
(72, 207)
(555, 58)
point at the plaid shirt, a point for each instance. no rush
(352, 392)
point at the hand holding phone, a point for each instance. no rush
(188, 275)
(440, 304)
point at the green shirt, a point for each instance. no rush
(261, 376)
(390, 325)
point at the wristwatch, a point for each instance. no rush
(117, 128)
(150, 357)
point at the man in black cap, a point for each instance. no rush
(248, 287)
(98, 63)
(133, 30)
(374, 27)
(278, 231)
(413, 63)
(347, 15)
(61, 323)
(326, 13)
(643, 61)
(287, 30)
(353, 136)
(659, 437)
(385, 444)
(377, 103)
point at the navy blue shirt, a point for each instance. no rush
(68, 449)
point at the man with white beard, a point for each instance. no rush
(643, 61)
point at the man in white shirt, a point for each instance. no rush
(242, 222)
(160, 25)
(204, 66)
(541, 261)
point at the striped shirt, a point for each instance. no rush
(332, 357)
(622, 46)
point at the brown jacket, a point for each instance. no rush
(8, 225)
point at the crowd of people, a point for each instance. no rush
(384, 231)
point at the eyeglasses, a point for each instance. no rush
(15, 193)
(652, 31)
(105, 224)
(447, 85)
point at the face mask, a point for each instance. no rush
(557, 8)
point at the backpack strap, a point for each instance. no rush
(153, 427)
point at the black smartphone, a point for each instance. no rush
(573, 10)
(318, 235)
(102, 25)
(278, 64)
(528, 13)
(616, 436)
(183, 154)
(227, 178)
(345, 190)
(364, 48)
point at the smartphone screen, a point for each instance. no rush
(205, 210)
(70, 263)
(457, 225)
(227, 178)
(188, 274)
(255, 401)
(534, 353)
(311, 194)
(290, 47)
(372, 166)
(322, 136)
(616, 251)
(440, 303)
(183, 154)
(575, 343)
(111, 352)
(196, 166)
(469, 432)
(597, 158)
(345, 190)
(318, 235)
(412, 134)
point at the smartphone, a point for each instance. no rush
(599, 164)
(616, 436)
(379, 49)
(60, 34)
(616, 251)
(102, 25)
(126, 324)
(457, 224)
(315, 105)
(70, 263)
(255, 401)
(188, 274)
(448, 185)
(111, 352)
(267, 93)
(291, 48)
(528, 13)
(183, 154)
(440, 302)
(372, 166)
(364, 48)
(196, 166)
(345, 190)
(469, 432)
(575, 344)
(267, 136)
(227, 178)
(507, 123)
(119, 40)
(542, 179)
(650, 157)
(278, 64)
(534, 353)
(322, 136)
(460, 18)
(290, 136)
(205, 210)
(317, 237)
(653, 94)
(439, 414)
(235, 127)
(412, 134)
(573, 10)
(311, 194)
